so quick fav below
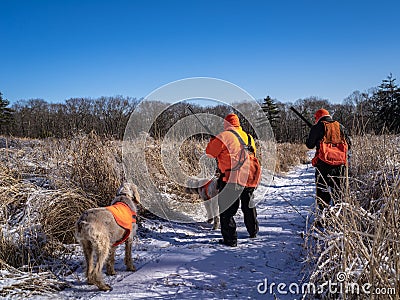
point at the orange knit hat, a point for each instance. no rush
(231, 120)
(320, 113)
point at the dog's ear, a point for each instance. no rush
(136, 197)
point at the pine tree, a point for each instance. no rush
(386, 105)
(5, 112)
(271, 111)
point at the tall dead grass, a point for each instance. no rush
(189, 155)
(360, 234)
(44, 186)
(289, 155)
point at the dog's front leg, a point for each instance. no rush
(111, 262)
(207, 204)
(215, 213)
(128, 255)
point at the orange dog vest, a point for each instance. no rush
(124, 216)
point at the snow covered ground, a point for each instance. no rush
(185, 261)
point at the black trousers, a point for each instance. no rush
(231, 195)
(328, 176)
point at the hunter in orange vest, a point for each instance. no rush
(332, 142)
(234, 184)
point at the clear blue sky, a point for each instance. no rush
(55, 49)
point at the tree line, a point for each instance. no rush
(375, 111)
(37, 118)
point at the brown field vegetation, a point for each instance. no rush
(46, 184)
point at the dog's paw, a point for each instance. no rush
(111, 272)
(131, 268)
(104, 287)
(90, 282)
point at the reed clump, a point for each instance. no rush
(45, 185)
(289, 155)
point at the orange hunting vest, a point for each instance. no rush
(124, 216)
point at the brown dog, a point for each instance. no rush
(206, 189)
(99, 233)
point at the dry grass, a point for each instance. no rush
(289, 155)
(361, 233)
(60, 211)
(44, 186)
(18, 284)
(89, 163)
(189, 156)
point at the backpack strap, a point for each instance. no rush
(247, 146)
(242, 157)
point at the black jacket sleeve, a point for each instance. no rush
(315, 136)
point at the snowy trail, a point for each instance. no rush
(185, 261)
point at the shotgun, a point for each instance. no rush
(217, 171)
(204, 125)
(301, 117)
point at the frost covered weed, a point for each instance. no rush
(360, 234)
(19, 284)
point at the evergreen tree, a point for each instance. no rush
(271, 110)
(5, 112)
(386, 105)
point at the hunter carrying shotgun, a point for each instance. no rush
(332, 143)
(239, 173)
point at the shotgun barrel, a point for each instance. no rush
(202, 124)
(301, 117)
